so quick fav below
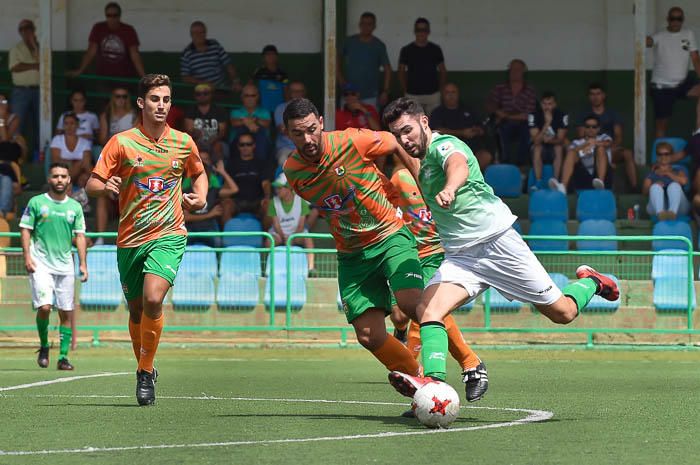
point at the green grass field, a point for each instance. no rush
(316, 406)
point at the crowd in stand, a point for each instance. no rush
(244, 148)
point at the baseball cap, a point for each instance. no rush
(350, 87)
(269, 48)
(281, 181)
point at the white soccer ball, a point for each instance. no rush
(436, 404)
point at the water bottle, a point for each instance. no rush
(636, 211)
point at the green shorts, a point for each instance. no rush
(429, 265)
(160, 257)
(366, 278)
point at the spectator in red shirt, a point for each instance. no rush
(354, 113)
(115, 46)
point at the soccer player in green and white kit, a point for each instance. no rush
(47, 228)
(482, 249)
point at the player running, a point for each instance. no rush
(47, 228)
(481, 247)
(144, 167)
(334, 171)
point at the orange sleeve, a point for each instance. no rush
(193, 164)
(372, 144)
(110, 158)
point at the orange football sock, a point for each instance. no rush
(135, 333)
(150, 335)
(459, 349)
(413, 339)
(396, 357)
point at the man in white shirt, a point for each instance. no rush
(673, 48)
(23, 63)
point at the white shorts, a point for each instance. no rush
(45, 285)
(505, 263)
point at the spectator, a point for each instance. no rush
(283, 145)
(115, 45)
(252, 119)
(206, 123)
(214, 214)
(10, 138)
(117, 117)
(204, 61)
(11, 148)
(271, 80)
(453, 118)
(693, 150)
(176, 118)
(422, 71)
(548, 126)
(73, 150)
(610, 124)
(354, 113)
(587, 160)
(23, 62)
(664, 186)
(251, 175)
(288, 212)
(362, 57)
(510, 103)
(88, 123)
(673, 48)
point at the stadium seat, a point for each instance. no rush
(678, 144)
(596, 228)
(669, 266)
(559, 279)
(671, 228)
(518, 228)
(194, 288)
(671, 295)
(504, 179)
(599, 304)
(199, 259)
(548, 228)
(499, 303)
(244, 222)
(596, 205)
(103, 290)
(547, 173)
(548, 205)
(297, 273)
(239, 275)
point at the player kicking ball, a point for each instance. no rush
(47, 228)
(144, 167)
(482, 249)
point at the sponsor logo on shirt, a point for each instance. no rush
(156, 184)
(685, 44)
(445, 147)
(70, 216)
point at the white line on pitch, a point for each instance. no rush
(59, 380)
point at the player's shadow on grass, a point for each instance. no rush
(387, 420)
(69, 404)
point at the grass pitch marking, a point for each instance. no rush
(59, 380)
(533, 416)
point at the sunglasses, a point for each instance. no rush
(246, 144)
(122, 96)
(250, 95)
(591, 126)
(112, 15)
(206, 92)
(659, 154)
(421, 29)
(676, 18)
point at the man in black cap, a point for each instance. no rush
(271, 80)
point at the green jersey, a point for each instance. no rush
(52, 224)
(477, 214)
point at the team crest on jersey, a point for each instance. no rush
(425, 215)
(334, 202)
(340, 170)
(70, 216)
(175, 164)
(44, 211)
(445, 148)
(156, 184)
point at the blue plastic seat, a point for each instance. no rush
(547, 173)
(297, 273)
(499, 303)
(548, 205)
(199, 258)
(504, 179)
(194, 287)
(559, 279)
(239, 274)
(669, 266)
(244, 222)
(518, 228)
(596, 228)
(671, 228)
(678, 144)
(599, 304)
(671, 295)
(103, 288)
(548, 228)
(596, 205)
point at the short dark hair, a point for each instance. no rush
(77, 91)
(245, 134)
(548, 94)
(595, 85)
(58, 164)
(369, 14)
(149, 81)
(592, 116)
(70, 114)
(198, 23)
(401, 106)
(422, 20)
(299, 108)
(113, 5)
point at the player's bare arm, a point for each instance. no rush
(198, 197)
(98, 187)
(81, 245)
(456, 172)
(25, 235)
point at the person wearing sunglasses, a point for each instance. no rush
(252, 176)
(422, 71)
(23, 61)
(252, 118)
(207, 123)
(674, 49)
(114, 45)
(664, 186)
(587, 160)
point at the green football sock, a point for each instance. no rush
(42, 327)
(581, 291)
(66, 334)
(433, 338)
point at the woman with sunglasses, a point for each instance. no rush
(118, 115)
(664, 186)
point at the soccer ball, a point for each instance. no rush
(436, 404)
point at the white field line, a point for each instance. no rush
(533, 416)
(59, 380)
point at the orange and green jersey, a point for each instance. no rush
(416, 215)
(150, 197)
(346, 186)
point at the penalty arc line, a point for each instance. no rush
(533, 416)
